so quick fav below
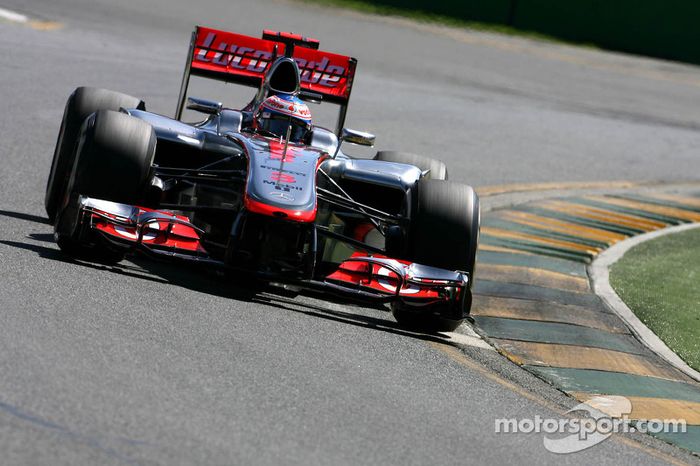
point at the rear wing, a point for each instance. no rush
(236, 58)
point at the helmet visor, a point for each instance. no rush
(279, 124)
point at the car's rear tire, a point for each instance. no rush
(83, 102)
(436, 169)
(444, 233)
(114, 156)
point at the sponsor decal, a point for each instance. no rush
(214, 51)
(282, 187)
(320, 73)
(288, 108)
(292, 172)
(277, 152)
(279, 156)
(282, 195)
(281, 177)
(232, 56)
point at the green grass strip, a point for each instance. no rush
(428, 17)
(660, 281)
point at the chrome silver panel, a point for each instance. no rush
(167, 128)
(131, 214)
(389, 174)
(230, 121)
(124, 211)
(416, 272)
(419, 271)
(286, 182)
(324, 139)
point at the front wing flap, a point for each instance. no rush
(373, 277)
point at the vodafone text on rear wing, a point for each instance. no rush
(236, 58)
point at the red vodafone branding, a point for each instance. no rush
(295, 109)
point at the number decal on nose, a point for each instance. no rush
(283, 178)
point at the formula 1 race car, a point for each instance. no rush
(230, 192)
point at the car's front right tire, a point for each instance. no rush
(443, 233)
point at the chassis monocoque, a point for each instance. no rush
(386, 230)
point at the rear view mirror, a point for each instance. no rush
(358, 137)
(204, 106)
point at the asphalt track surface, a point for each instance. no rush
(149, 364)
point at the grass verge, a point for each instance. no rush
(660, 282)
(427, 17)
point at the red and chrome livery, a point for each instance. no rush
(224, 193)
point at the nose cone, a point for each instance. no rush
(282, 184)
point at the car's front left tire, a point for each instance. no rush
(113, 162)
(83, 102)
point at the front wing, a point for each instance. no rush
(365, 276)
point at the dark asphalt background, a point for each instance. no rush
(149, 364)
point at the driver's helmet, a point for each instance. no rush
(278, 112)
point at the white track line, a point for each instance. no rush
(13, 16)
(467, 337)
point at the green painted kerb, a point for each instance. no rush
(564, 334)
(535, 293)
(616, 383)
(533, 261)
(690, 439)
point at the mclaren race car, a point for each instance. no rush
(284, 204)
